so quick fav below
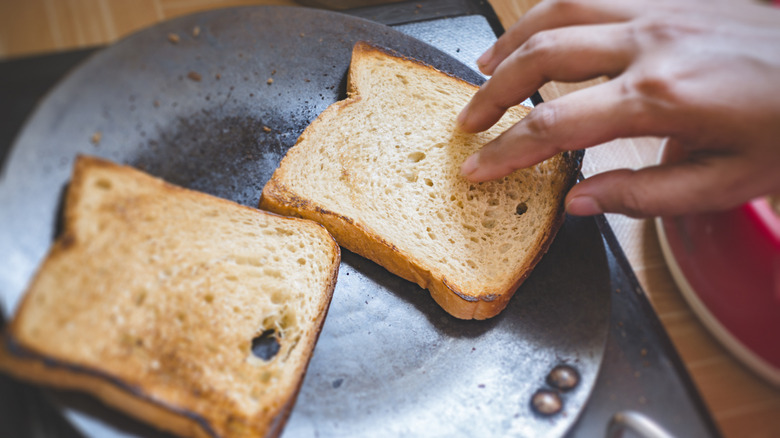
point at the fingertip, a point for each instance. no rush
(470, 165)
(583, 206)
(462, 116)
(483, 62)
(463, 122)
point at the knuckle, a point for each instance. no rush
(662, 29)
(541, 122)
(566, 7)
(633, 202)
(651, 29)
(650, 95)
(540, 45)
(656, 87)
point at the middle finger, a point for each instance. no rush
(570, 54)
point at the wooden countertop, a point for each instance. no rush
(742, 404)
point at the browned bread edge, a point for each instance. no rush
(354, 237)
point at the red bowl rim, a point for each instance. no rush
(766, 220)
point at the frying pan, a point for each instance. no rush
(215, 109)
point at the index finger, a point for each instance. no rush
(551, 14)
(572, 54)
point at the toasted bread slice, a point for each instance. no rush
(381, 171)
(154, 297)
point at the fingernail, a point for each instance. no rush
(484, 59)
(583, 206)
(470, 165)
(461, 120)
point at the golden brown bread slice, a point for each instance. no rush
(154, 295)
(381, 171)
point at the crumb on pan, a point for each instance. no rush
(196, 31)
(174, 38)
(96, 137)
(195, 76)
(270, 81)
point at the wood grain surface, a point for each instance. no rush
(742, 404)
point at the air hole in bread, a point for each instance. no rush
(488, 222)
(521, 208)
(513, 195)
(103, 183)
(246, 261)
(301, 261)
(271, 272)
(209, 298)
(428, 182)
(416, 157)
(266, 345)
(403, 79)
(493, 202)
(411, 176)
(277, 297)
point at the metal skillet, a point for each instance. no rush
(215, 109)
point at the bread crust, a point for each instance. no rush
(355, 236)
(37, 368)
(27, 363)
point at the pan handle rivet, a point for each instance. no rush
(546, 402)
(563, 377)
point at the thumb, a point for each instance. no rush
(664, 190)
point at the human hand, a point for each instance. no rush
(704, 74)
